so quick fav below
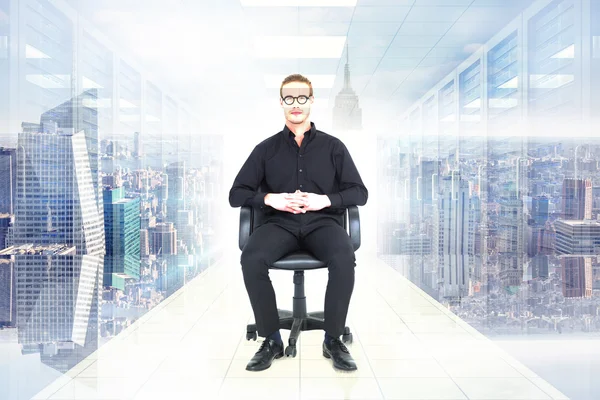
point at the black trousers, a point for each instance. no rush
(328, 242)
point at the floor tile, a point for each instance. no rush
(193, 367)
(420, 389)
(260, 388)
(339, 388)
(415, 368)
(476, 368)
(99, 388)
(500, 389)
(398, 352)
(549, 389)
(179, 387)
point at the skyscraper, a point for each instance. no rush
(8, 181)
(57, 304)
(137, 145)
(122, 231)
(8, 306)
(347, 114)
(163, 239)
(539, 210)
(55, 192)
(576, 276)
(452, 237)
(81, 114)
(576, 199)
(176, 190)
(577, 237)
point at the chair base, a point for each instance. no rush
(298, 320)
(312, 321)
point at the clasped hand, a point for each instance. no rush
(298, 202)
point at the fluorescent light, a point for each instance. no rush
(299, 46)
(49, 81)
(97, 103)
(474, 104)
(511, 84)
(448, 118)
(152, 118)
(125, 104)
(568, 52)
(129, 118)
(503, 103)
(298, 3)
(317, 81)
(90, 84)
(470, 118)
(32, 52)
(550, 81)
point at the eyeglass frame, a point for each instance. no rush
(296, 99)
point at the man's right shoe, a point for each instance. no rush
(268, 351)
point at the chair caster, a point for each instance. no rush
(347, 336)
(290, 351)
(251, 336)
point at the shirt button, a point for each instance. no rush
(301, 185)
(300, 170)
(300, 155)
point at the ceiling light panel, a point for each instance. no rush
(299, 46)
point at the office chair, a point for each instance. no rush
(298, 261)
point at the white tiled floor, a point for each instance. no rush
(406, 345)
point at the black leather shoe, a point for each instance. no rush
(268, 351)
(340, 355)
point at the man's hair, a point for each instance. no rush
(295, 78)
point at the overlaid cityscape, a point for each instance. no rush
(486, 191)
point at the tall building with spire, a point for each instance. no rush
(347, 114)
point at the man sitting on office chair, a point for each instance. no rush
(303, 180)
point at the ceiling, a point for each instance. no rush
(209, 51)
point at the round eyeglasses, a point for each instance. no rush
(289, 100)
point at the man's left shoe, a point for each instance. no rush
(340, 355)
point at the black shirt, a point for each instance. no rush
(321, 165)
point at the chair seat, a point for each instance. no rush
(297, 261)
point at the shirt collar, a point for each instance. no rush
(308, 134)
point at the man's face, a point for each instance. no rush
(296, 113)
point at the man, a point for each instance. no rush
(303, 180)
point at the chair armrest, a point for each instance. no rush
(354, 226)
(245, 225)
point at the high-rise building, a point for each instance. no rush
(576, 276)
(8, 180)
(81, 114)
(144, 243)
(576, 199)
(55, 200)
(577, 237)
(177, 190)
(122, 223)
(137, 145)
(57, 301)
(347, 114)
(6, 222)
(453, 237)
(163, 239)
(8, 306)
(539, 209)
